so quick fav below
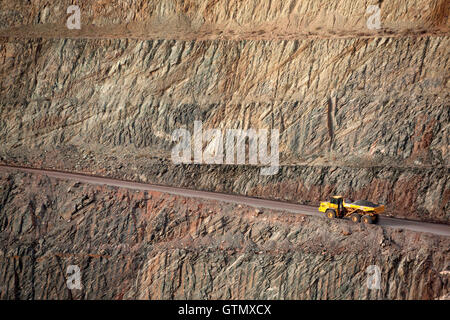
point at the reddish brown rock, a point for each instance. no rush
(149, 245)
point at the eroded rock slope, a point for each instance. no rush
(149, 245)
(360, 112)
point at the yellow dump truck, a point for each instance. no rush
(361, 210)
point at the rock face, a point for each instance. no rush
(196, 19)
(362, 113)
(141, 245)
(331, 99)
(349, 102)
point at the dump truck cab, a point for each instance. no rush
(336, 205)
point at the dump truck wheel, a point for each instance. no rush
(355, 217)
(331, 214)
(375, 218)
(367, 219)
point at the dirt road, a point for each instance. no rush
(434, 228)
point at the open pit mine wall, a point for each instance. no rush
(150, 245)
(363, 113)
(234, 16)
